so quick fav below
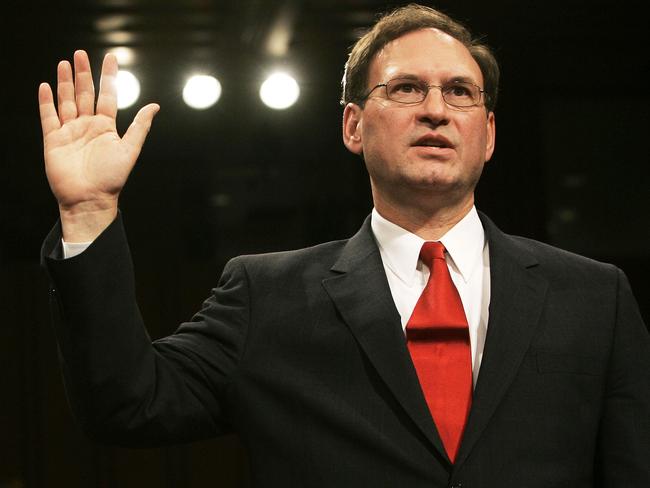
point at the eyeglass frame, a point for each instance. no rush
(482, 93)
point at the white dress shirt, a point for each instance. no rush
(468, 262)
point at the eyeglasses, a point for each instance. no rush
(411, 91)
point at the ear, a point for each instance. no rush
(352, 118)
(490, 136)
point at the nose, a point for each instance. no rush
(433, 109)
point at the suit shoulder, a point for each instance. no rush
(561, 262)
(321, 256)
(551, 259)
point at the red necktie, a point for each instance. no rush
(438, 339)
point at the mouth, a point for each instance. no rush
(433, 140)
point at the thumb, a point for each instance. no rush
(139, 128)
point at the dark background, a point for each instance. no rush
(570, 168)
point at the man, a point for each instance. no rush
(430, 349)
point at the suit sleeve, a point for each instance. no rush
(124, 389)
(624, 437)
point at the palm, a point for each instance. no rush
(86, 161)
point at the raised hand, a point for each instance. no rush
(86, 161)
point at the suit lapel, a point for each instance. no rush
(517, 296)
(362, 296)
(360, 291)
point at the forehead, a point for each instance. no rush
(427, 53)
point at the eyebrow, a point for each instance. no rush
(454, 79)
(406, 76)
(463, 79)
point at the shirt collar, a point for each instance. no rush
(400, 249)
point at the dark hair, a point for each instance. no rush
(402, 21)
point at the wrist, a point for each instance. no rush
(81, 224)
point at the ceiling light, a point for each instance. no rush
(279, 91)
(125, 55)
(201, 91)
(128, 89)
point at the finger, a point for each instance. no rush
(139, 128)
(83, 82)
(65, 92)
(107, 100)
(49, 118)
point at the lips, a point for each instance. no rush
(434, 140)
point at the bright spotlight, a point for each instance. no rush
(279, 91)
(128, 89)
(125, 55)
(201, 91)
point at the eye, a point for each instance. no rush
(405, 87)
(458, 90)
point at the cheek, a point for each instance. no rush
(475, 137)
(385, 120)
(373, 135)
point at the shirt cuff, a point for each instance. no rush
(72, 249)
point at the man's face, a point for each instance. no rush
(399, 141)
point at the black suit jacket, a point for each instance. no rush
(302, 353)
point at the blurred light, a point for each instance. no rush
(112, 22)
(201, 91)
(279, 91)
(567, 215)
(125, 55)
(118, 37)
(128, 89)
(220, 200)
(277, 43)
(281, 31)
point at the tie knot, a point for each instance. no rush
(431, 251)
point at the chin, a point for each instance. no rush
(450, 187)
(438, 178)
